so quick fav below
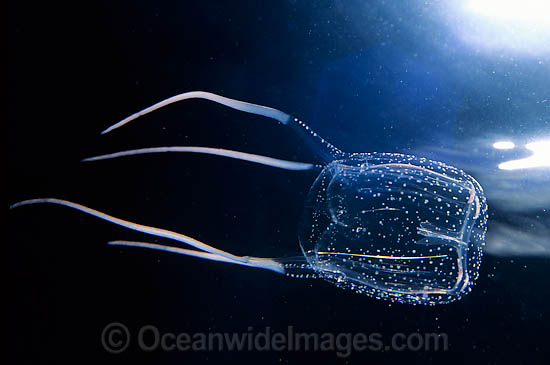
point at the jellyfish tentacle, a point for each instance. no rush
(264, 263)
(298, 267)
(319, 145)
(231, 103)
(263, 160)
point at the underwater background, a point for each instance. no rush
(443, 80)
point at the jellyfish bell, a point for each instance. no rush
(395, 227)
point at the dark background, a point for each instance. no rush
(366, 75)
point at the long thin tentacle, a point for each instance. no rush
(235, 104)
(319, 145)
(264, 160)
(252, 262)
(159, 232)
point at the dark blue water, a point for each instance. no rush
(368, 76)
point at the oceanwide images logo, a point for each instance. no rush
(116, 338)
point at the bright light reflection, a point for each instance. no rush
(522, 26)
(524, 10)
(504, 145)
(539, 158)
